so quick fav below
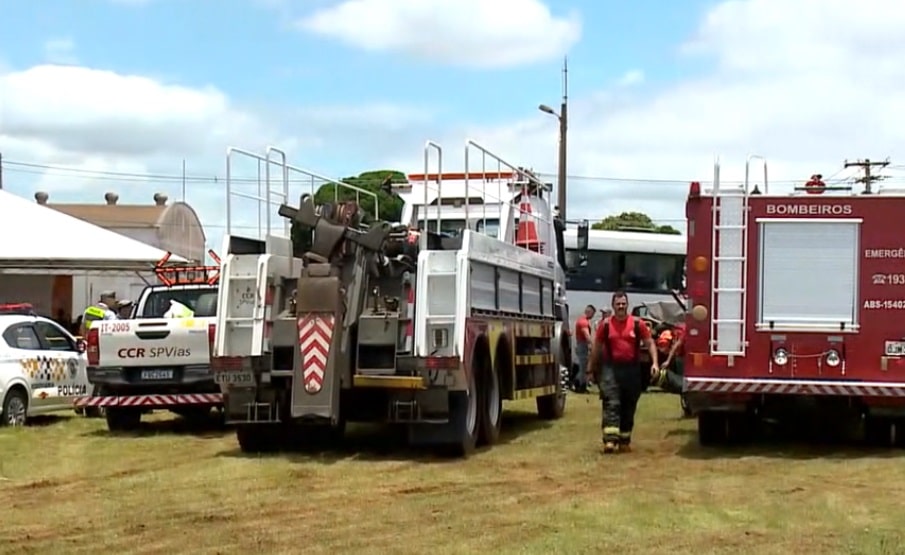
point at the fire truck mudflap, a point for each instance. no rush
(796, 310)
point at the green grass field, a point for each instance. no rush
(66, 486)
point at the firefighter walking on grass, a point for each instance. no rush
(615, 363)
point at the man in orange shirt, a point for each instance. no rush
(583, 348)
(615, 356)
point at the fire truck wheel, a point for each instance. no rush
(713, 428)
(877, 431)
(491, 416)
(122, 420)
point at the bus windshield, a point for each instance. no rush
(628, 271)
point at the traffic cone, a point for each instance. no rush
(526, 233)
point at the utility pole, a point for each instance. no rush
(563, 117)
(563, 131)
(867, 165)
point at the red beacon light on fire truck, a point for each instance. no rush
(187, 275)
(815, 185)
(694, 190)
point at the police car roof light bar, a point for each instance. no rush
(187, 274)
(21, 309)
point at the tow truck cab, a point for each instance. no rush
(795, 297)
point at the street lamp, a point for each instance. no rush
(563, 118)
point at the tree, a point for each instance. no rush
(374, 181)
(634, 221)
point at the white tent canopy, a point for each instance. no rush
(40, 238)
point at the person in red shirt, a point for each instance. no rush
(583, 348)
(615, 356)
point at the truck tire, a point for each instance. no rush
(464, 416)
(878, 431)
(193, 414)
(122, 419)
(712, 428)
(553, 407)
(257, 438)
(490, 398)
(94, 412)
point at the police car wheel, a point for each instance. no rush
(15, 407)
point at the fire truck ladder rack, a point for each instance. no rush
(729, 266)
(187, 274)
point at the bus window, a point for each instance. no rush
(492, 227)
(600, 274)
(653, 272)
(633, 272)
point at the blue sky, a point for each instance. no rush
(657, 89)
(251, 51)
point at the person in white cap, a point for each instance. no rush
(124, 308)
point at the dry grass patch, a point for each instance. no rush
(69, 487)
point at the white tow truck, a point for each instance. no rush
(153, 360)
(391, 324)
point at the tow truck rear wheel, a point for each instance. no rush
(491, 418)
(258, 438)
(464, 416)
(122, 419)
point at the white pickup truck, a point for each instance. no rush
(150, 362)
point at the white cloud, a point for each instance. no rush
(107, 129)
(806, 83)
(468, 33)
(60, 51)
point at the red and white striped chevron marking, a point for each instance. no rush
(315, 335)
(794, 387)
(150, 400)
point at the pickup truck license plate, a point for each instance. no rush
(234, 377)
(157, 374)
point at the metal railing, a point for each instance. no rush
(273, 192)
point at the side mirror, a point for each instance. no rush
(81, 345)
(582, 240)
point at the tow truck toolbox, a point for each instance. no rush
(151, 361)
(797, 300)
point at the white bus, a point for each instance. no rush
(647, 266)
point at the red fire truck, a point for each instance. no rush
(795, 297)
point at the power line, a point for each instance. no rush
(134, 177)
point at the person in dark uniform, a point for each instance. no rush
(615, 362)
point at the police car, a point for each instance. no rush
(42, 366)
